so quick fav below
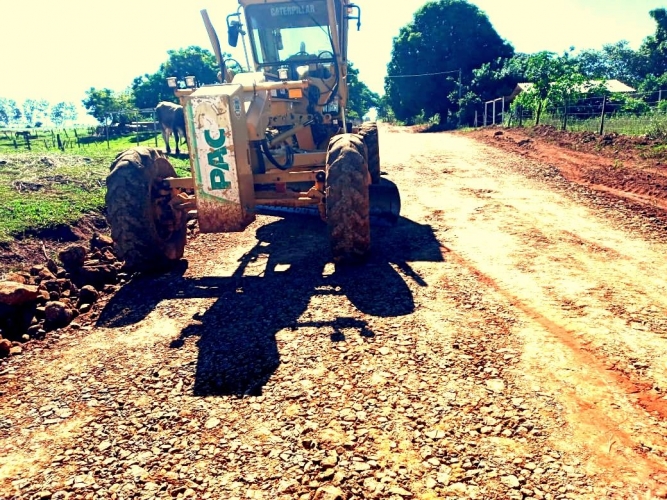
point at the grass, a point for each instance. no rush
(620, 123)
(75, 140)
(44, 187)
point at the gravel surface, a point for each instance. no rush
(506, 340)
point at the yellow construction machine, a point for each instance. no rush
(272, 136)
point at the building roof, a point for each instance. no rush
(611, 85)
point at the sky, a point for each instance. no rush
(56, 50)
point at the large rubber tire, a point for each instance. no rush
(148, 234)
(347, 200)
(369, 134)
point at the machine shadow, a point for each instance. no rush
(270, 290)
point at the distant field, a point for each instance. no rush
(44, 187)
(73, 140)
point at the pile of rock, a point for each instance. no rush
(47, 297)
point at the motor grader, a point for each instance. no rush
(274, 136)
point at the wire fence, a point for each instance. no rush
(145, 130)
(636, 113)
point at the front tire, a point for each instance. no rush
(148, 233)
(347, 200)
(371, 138)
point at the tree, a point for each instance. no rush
(555, 79)
(29, 109)
(444, 37)
(57, 114)
(491, 80)
(4, 113)
(654, 47)
(108, 106)
(360, 98)
(70, 113)
(15, 114)
(9, 111)
(654, 83)
(616, 61)
(384, 110)
(150, 89)
(63, 112)
(42, 109)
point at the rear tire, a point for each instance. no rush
(369, 134)
(148, 234)
(347, 200)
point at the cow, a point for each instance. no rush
(171, 119)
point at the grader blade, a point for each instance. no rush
(385, 201)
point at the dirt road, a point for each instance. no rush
(508, 339)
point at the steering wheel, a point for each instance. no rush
(234, 66)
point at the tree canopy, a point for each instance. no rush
(150, 89)
(34, 110)
(9, 111)
(654, 47)
(556, 79)
(107, 106)
(361, 98)
(63, 112)
(445, 36)
(616, 61)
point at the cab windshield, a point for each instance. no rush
(283, 33)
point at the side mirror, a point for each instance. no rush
(233, 31)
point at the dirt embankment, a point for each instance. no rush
(633, 168)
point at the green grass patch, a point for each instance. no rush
(75, 141)
(654, 124)
(43, 188)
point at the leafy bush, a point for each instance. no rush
(635, 106)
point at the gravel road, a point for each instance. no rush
(507, 339)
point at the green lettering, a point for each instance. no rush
(215, 143)
(216, 158)
(218, 180)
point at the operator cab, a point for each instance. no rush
(293, 40)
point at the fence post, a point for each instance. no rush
(520, 111)
(485, 106)
(604, 103)
(502, 113)
(494, 112)
(475, 119)
(565, 116)
(155, 127)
